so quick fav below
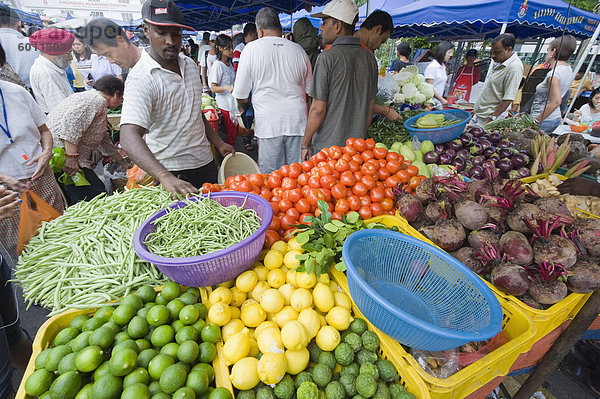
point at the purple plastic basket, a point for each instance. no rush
(216, 267)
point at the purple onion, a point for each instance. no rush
(505, 165)
(503, 144)
(439, 148)
(525, 152)
(478, 160)
(505, 153)
(455, 145)
(489, 164)
(476, 149)
(450, 152)
(445, 159)
(524, 172)
(486, 143)
(488, 152)
(494, 137)
(476, 131)
(459, 163)
(519, 160)
(476, 173)
(466, 139)
(431, 157)
(463, 153)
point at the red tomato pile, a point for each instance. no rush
(357, 177)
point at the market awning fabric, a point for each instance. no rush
(476, 19)
(31, 18)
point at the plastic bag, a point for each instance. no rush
(233, 108)
(136, 177)
(34, 210)
(438, 364)
(211, 114)
(466, 357)
(56, 164)
(387, 87)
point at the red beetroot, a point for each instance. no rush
(589, 230)
(466, 255)
(516, 246)
(510, 278)
(427, 231)
(478, 238)
(449, 234)
(585, 277)
(555, 249)
(529, 301)
(425, 191)
(553, 206)
(470, 214)
(477, 188)
(524, 211)
(548, 293)
(409, 207)
(434, 211)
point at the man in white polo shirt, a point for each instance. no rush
(163, 100)
(502, 84)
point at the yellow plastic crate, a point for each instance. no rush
(408, 377)
(517, 327)
(545, 320)
(52, 326)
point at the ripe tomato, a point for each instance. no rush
(359, 189)
(320, 156)
(239, 178)
(245, 186)
(277, 173)
(271, 237)
(377, 194)
(304, 215)
(327, 181)
(350, 141)
(285, 204)
(307, 166)
(277, 192)
(314, 182)
(295, 195)
(325, 193)
(288, 183)
(274, 206)
(382, 163)
(368, 181)
(412, 170)
(287, 222)
(289, 234)
(275, 224)
(358, 159)
(335, 152)
(365, 200)
(380, 185)
(303, 179)
(229, 181)
(293, 213)
(387, 204)
(365, 212)
(347, 179)
(339, 191)
(383, 174)
(369, 168)
(392, 181)
(273, 181)
(354, 166)
(350, 150)
(370, 143)
(367, 154)
(389, 193)
(285, 170)
(205, 187)
(380, 153)
(342, 205)
(342, 165)
(403, 176)
(295, 170)
(266, 194)
(313, 196)
(303, 205)
(336, 216)
(393, 166)
(346, 157)
(354, 202)
(376, 209)
(360, 145)
(257, 179)
(392, 156)
(358, 176)
(414, 182)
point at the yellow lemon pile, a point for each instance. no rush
(275, 310)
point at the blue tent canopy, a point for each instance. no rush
(222, 14)
(476, 19)
(30, 18)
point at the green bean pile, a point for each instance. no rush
(85, 257)
(200, 228)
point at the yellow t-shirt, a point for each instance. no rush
(587, 85)
(78, 82)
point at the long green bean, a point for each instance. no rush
(85, 257)
(202, 227)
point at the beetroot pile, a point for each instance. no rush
(526, 246)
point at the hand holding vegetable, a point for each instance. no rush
(9, 203)
(71, 166)
(392, 115)
(174, 185)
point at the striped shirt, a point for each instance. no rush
(49, 83)
(169, 107)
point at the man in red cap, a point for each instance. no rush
(48, 76)
(163, 100)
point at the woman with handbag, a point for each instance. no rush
(25, 152)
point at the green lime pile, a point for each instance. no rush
(362, 372)
(149, 346)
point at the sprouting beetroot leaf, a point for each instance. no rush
(548, 285)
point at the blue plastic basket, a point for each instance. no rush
(441, 134)
(416, 293)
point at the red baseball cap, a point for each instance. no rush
(52, 41)
(163, 13)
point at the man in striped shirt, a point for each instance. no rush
(163, 100)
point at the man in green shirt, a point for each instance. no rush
(501, 85)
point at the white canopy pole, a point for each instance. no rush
(582, 60)
(502, 30)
